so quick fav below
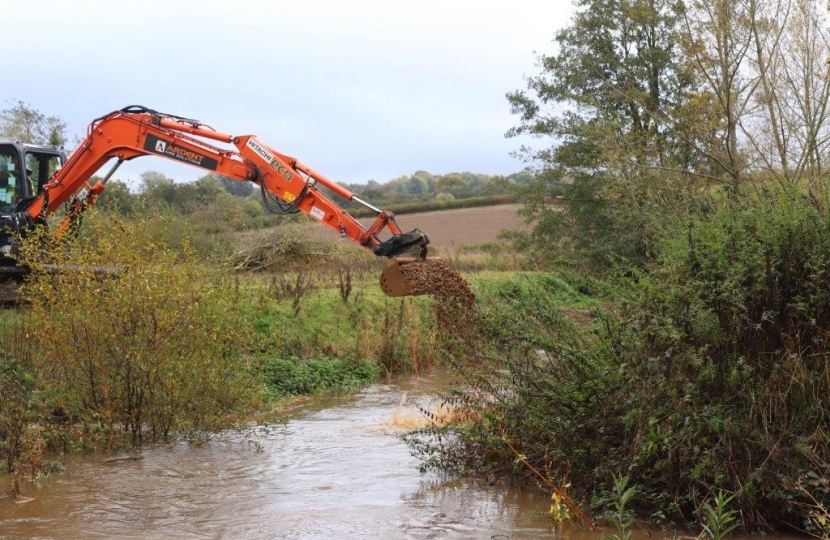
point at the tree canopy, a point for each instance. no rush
(23, 123)
(648, 103)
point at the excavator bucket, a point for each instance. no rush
(412, 276)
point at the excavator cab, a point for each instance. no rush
(12, 184)
(24, 169)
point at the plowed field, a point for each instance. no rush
(453, 228)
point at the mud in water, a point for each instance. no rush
(335, 469)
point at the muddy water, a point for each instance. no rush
(334, 469)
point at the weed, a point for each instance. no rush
(622, 518)
(344, 281)
(295, 290)
(294, 376)
(719, 521)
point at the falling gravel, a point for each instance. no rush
(436, 277)
(455, 303)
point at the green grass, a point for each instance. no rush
(326, 325)
(286, 377)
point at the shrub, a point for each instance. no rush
(730, 360)
(713, 376)
(136, 337)
(18, 384)
(294, 376)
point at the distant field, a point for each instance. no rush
(452, 228)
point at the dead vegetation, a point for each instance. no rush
(279, 248)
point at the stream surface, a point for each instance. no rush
(334, 469)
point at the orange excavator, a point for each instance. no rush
(35, 181)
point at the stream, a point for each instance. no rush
(335, 468)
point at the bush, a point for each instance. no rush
(18, 384)
(294, 376)
(136, 337)
(730, 359)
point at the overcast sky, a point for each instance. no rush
(359, 90)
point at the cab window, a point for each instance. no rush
(39, 169)
(11, 179)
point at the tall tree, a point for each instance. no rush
(235, 187)
(765, 64)
(789, 133)
(607, 101)
(719, 42)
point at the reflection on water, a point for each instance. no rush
(335, 469)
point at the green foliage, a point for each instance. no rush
(216, 204)
(184, 198)
(584, 227)
(710, 374)
(621, 517)
(137, 339)
(720, 521)
(536, 382)
(287, 377)
(623, 156)
(728, 339)
(235, 187)
(22, 122)
(116, 199)
(302, 313)
(441, 202)
(619, 69)
(423, 191)
(713, 375)
(18, 384)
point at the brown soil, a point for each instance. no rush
(455, 303)
(436, 277)
(449, 228)
(464, 226)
